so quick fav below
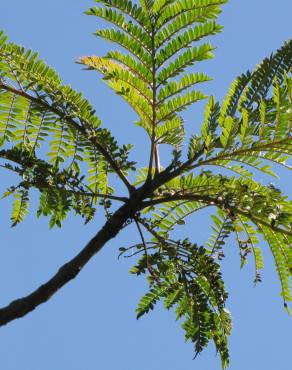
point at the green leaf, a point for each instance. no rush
(20, 206)
(185, 40)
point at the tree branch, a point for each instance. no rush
(81, 191)
(157, 159)
(150, 269)
(71, 269)
(216, 202)
(258, 148)
(79, 128)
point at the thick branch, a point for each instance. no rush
(71, 269)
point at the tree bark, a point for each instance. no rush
(20, 307)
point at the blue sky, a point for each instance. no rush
(91, 323)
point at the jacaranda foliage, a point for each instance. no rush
(52, 138)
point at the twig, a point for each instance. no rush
(152, 272)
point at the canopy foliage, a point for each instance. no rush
(52, 138)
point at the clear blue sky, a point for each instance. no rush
(91, 323)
